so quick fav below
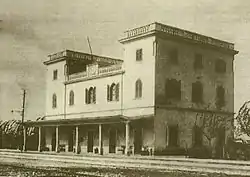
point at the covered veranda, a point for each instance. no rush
(99, 135)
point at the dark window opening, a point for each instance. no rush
(113, 92)
(138, 89)
(198, 61)
(197, 92)
(71, 98)
(220, 66)
(55, 73)
(220, 97)
(173, 89)
(173, 54)
(90, 95)
(54, 101)
(139, 55)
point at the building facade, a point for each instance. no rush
(148, 101)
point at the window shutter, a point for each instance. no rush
(94, 95)
(108, 92)
(117, 89)
(86, 96)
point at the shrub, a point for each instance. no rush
(237, 150)
(201, 152)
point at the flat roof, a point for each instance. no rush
(59, 56)
(156, 27)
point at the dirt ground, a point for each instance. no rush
(21, 171)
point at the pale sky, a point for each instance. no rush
(30, 30)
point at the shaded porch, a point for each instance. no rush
(99, 135)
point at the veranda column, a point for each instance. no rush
(127, 139)
(100, 140)
(24, 138)
(57, 139)
(77, 140)
(167, 136)
(39, 139)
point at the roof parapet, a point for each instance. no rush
(175, 32)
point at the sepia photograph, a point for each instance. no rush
(142, 88)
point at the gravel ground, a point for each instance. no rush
(21, 171)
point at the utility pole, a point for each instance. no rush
(22, 114)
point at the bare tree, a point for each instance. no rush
(243, 120)
(210, 124)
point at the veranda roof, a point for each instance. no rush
(85, 120)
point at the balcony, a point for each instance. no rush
(109, 69)
(95, 71)
(77, 75)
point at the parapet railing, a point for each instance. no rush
(95, 72)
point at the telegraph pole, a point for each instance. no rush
(21, 112)
(22, 124)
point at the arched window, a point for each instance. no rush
(113, 92)
(71, 98)
(54, 101)
(138, 89)
(197, 92)
(220, 97)
(90, 95)
(220, 66)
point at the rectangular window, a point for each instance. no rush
(55, 74)
(198, 61)
(197, 92)
(173, 89)
(173, 54)
(138, 54)
(220, 66)
(220, 97)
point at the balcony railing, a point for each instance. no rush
(100, 71)
(109, 69)
(78, 75)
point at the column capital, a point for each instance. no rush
(127, 121)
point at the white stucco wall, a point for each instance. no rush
(55, 86)
(144, 70)
(102, 107)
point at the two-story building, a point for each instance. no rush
(148, 100)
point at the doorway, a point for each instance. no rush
(70, 140)
(220, 143)
(112, 141)
(137, 140)
(53, 141)
(90, 141)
